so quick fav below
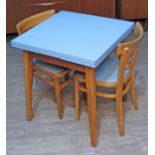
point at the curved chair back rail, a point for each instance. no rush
(127, 53)
(33, 20)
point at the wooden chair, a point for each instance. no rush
(33, 20)
(54, 74)
(115, 73)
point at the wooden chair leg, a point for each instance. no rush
(77, 102)
(146, 24)
(58, 98)
(67, 77)
(133, 95)
(84, 94)
(119, 111)
(125, 97)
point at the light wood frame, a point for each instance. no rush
(127, 53)
(89, 72)
(31, 69)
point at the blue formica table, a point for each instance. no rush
(74, 40)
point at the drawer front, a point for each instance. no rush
(98, 7)
(26, 8)
(133, 9)
(11, 18)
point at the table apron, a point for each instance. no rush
(58, 62)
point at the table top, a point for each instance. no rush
(75, 37)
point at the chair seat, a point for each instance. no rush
(49, 67)
(107, 71)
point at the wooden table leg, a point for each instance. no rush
(28, 84)
(91, 98)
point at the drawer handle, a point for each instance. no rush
(49, 4)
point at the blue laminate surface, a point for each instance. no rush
(107, 71)
(75, 37)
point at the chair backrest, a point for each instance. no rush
(127, 53)
(33, 20)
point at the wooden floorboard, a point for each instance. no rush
(47, 135)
